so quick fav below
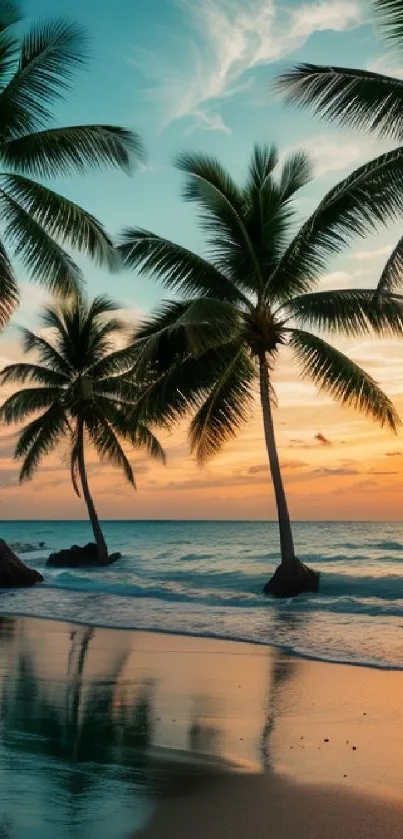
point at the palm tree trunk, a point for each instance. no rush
(96, 527)
(286, 538)
(291, 577)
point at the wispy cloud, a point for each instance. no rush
(209, 122)
(334, 152)
(371, 254)
(226, 39)
(387, 66)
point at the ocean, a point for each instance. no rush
(205, 578)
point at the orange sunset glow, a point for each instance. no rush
(336, 463)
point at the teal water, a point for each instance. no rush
(206, 578)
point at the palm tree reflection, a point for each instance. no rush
(82, 743)
(282, 668)
(78, 720)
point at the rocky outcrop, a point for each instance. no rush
(291, 580)
(79, 557)
(13, 572)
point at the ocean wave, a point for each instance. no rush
(389, 546)
(27, 547)
(342, 593)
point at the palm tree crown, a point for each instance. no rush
(78, 391)
(35, 73)
(252, 295)
(364, 100)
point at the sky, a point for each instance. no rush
(197, 75)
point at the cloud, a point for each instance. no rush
(327, 472)
(369, 255)
(335, 279)
(209, 122)
(213, 483)
(394, 454)
(285, 464)
(8, 478)
(335, 152)
(386, 66)
(7, 444)
(322, 439)
(225, 40)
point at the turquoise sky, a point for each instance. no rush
(196, 74)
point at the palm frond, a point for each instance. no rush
(185, 327)
(178, 268)
(9, 296)
(107, 444)
(114, 364)
(47, 262)
(391, 278)
(139, 434)
(48, 354)
(263, 161)
(50, 54)
(180, 386)
(356, 98)
(10, 14)
(83, 332)
(226, 409)
(19, 405)
(8, 57)
(221, 212)
(62, 219)
(101, 305)
(73, 149)
(369, 197)
(123, 389)
(27, 437)
(67, 340)
(295, 174)
(143, 438)
(53, 425)
(34, 373)
(351, 312)
(388, 16)
(334, 373)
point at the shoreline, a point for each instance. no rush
(180, 633)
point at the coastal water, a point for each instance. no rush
(206, 578)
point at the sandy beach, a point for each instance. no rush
(170, 736)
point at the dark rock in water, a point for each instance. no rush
(76, 557)
(289, 581)
(13, 572)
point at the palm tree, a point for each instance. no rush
(35, 72)
(250, 297)
(79, 390)
(364, 100)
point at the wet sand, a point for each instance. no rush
(114, 733)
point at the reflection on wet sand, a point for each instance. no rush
(107, 734)
(96, 726)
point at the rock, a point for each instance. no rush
(76, 557)
(13, 572)
(289, 581)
